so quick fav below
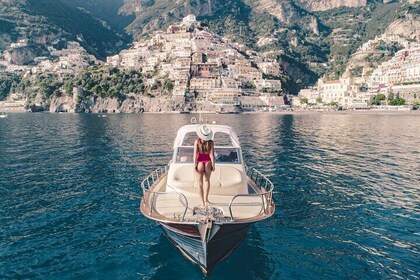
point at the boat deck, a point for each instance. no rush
(242, 208)
(165, 204)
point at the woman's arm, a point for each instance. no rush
(195, 155)
(213, 164)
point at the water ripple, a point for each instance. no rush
(347, 197)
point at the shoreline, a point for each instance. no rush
(300, 112)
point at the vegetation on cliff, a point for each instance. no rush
(7, 83)
(108, 82)
(351, 27)
(94, 81)
(381, 99)
(43, 21)
(308, 44)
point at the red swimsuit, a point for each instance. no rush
(203, 157)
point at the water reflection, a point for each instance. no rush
(347, 197)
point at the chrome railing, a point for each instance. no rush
(149, 195)
(264, 185)
(153, 177)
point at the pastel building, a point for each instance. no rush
(268, 85)
(270, 68)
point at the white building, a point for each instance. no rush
(269, 68)
(203, 85)
(189, 20)
(344, 92)
(230, 83)
(224, 97)
(309, 94)
(339, 91)
(129, 58)
(268, 85)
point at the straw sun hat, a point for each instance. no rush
(204, 132)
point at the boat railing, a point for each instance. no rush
(149, 195)
(265, 188)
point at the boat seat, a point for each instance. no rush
(181, 177)
(225, 180)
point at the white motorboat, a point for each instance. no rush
(3, 115)
(239, 196)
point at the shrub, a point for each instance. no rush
(397, 102)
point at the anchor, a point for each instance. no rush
(207, 228)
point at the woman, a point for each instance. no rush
(204, 161)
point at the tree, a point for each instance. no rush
(319, 100)
(357, 71)
(68, 87)
(333, 104)
(248, 85)
(304, 100)
(7, 82)
(377, 99)
(168, 85)
(397, 102)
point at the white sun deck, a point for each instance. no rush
(169, 203)
(241, 198)
(226, 179)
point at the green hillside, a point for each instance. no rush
(105, 10)
(307, 51)
(309, 44)
(43, 21)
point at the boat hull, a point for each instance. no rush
(208, 251)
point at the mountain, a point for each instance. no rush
(322, 5)
(105, 10)
(44, 21)
(311, 38)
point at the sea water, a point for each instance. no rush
(347, 197)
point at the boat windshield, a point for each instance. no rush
(222, 155)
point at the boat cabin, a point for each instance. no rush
(229, 177)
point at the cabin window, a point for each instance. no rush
(227, 155)
(185, 155)
(222, 139)
(222, 155)
(189, 139)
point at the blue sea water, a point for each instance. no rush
(347, 196)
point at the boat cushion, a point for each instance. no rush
(225, 180)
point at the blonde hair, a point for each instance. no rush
(204, 146)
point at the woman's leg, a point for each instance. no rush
(207, 174)
(200, 174)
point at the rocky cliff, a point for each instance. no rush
(285, 11)
(24, 55)
(153, 15)
(40, 21)
(305, 35)
(408, 27)
(62, 104)
(322, 5)
(132, 104)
